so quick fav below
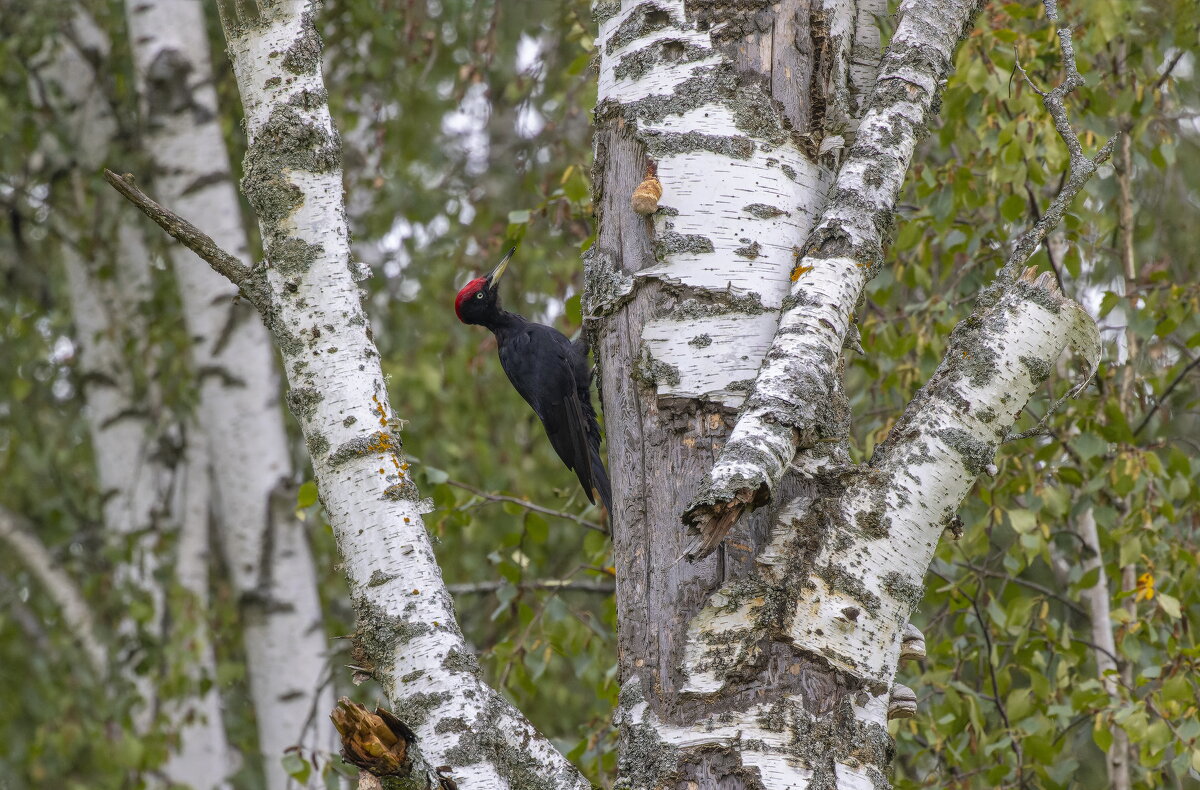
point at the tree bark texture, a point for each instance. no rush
(407, 636)
(771, 664)
(744, 115)
(239, 416)
(789, 406)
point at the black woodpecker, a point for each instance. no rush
(550, 372)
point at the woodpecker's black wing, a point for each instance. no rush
(583, 381)
(545, 369)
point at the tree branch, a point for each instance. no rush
(788, 409)
(1079, 169)
(565, 585)
(21, 536)
(1067, 602)
(528, 506)
(1158, 402)
(188, 235)
(790, 405)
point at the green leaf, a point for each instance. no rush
(1169, 604)
(518, 217)
(1021, 520)
(1089, 445)
(435, 476)
(537, 527)
(296, 767)
(1019, 705)
(1089, 579)
(21, 388)
(307, 496)
(574, 309)
(1108, 302)
(1013, 208)
(1131, 551)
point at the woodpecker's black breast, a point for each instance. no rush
(551, 374)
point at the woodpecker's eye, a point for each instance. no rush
(479, 295)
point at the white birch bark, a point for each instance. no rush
(842, 573)
(137, 468)
(1099, 602)
(203, 757)
(784, 677)
(789, 405)
(741, 190)
(265, 546)
(746, 115)
(407, 635)
(23, 542)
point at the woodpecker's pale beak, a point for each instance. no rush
(498, 272)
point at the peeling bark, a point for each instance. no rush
(736, 108)
(772, 663)
(718, 98)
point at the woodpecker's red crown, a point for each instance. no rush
(481, 288)
(469, 291)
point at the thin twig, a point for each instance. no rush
(558, 585)
(1166, 75)
(186, 234)
(1024, 583)
(583, 522)
(1037, 214)
(987, 639)
(1079, 169)
(1166, 393)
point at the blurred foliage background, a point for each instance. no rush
(466, 126)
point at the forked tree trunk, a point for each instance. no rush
(745, 116)
(240, 419)
(771, 664)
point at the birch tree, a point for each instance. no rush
(761, 651)
(407, 637)
(777, 669)
(265, 545)
(152, 489)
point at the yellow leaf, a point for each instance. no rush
(1145, 587)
